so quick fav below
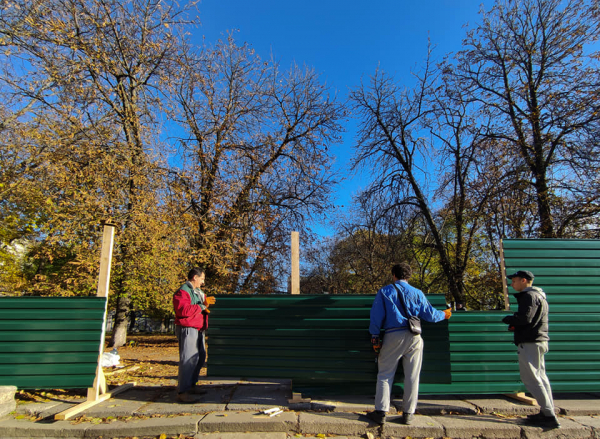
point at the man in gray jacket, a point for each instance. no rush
(530, 326)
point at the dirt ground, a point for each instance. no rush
(148, 359)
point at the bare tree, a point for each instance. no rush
(256, 156)
(527, 63)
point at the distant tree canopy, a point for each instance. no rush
(498, 141)
(202, 156)
(209, 155)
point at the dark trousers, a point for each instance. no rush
(192, 355)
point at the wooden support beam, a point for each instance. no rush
(520, 396)
(108, 239)
(295, 287)
(297, 398)
(69, 413)
(503, 276)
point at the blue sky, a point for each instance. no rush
(344, 41)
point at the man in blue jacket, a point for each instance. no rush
(389, 314)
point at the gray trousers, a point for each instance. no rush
(533, 374)
(408, 347)
(192, 354)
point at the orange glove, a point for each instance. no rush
(209, 300)
(448, 313)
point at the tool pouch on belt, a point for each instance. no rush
(414, 323)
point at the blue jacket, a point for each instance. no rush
(387, 311)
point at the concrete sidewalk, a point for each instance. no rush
(231, 409)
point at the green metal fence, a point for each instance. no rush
(322, 342)
(568, 270)
(50, 342)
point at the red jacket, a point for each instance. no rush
(188, 312)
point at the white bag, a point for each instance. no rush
(110, 360)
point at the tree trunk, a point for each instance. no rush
(119, 335)
(544, 210)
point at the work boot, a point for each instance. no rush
(541, 420)
(408, 418)
(535, 417)
(185, 398)
(377, 416)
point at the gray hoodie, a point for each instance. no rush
(531, 319)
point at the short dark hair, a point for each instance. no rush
(195, 272)
(402, 271)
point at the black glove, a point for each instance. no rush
(376, 342)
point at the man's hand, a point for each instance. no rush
(209, 300)
(448, 313)
(376, 342)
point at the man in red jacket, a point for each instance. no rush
(191, 320)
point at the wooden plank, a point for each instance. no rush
(503, 275)
(295, 277)
(108, 237)
(522, 398)
(69, 413)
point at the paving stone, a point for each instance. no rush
(569, 429)
(219, 381)
(187, 425)
(589, 421)
(35, 408)
(22, 428)
(261, 435)
(423, 426)
(215, 400)
(6, 408)
(259, 397)
(502, 405)
(7, 400)
(114, 407)
(347, 404)
(45, 410)
(247, 421)
(53, 409)
(7, 394)
(351, 424)
(489, 427)
(578, 406)
(434, 406)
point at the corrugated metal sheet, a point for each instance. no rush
(568, 270)
(50, 342)
(322, 342)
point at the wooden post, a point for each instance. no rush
(503, 276)
(108, 239)
(295, 287)
(99, 393)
